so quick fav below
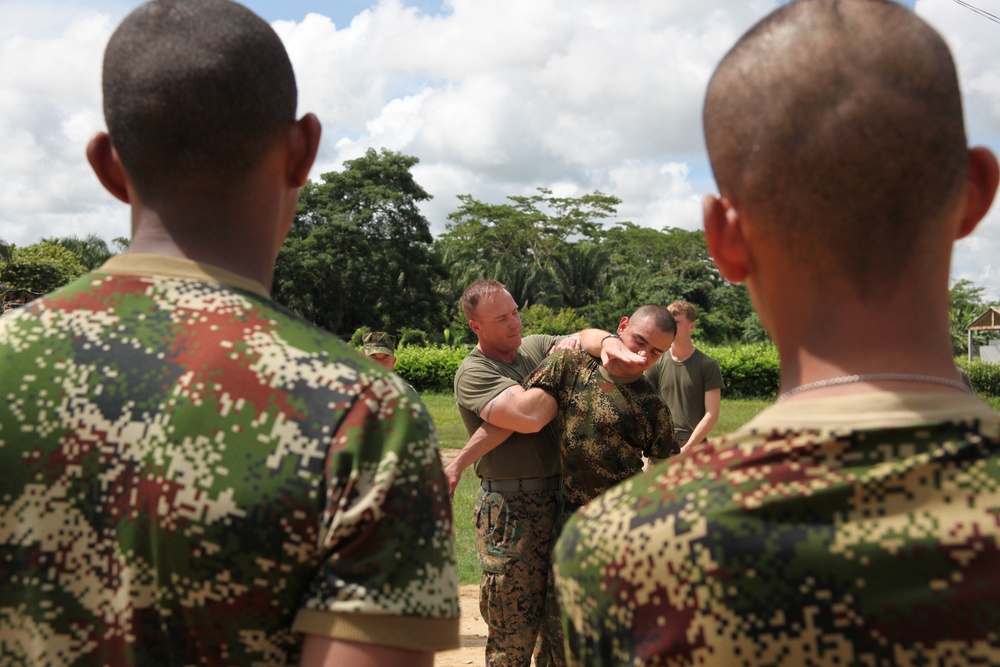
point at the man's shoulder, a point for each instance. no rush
(535, 347)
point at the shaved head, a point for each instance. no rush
(195, 88)
(837, 126)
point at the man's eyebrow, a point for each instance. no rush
(643, 339)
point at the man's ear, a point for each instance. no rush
(724, 235)
(622, 325)
(305, 134)
(474, 326)
(980, 188)
(104, 160)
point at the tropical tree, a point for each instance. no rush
(359, 251)
(91, 250)
(527, 243)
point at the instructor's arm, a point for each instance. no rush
(519, 409)
(485, 439)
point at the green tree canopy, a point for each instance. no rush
(91, 250)
(40, 267)
(359, 251)
(530, 244)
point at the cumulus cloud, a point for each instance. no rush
(495, 97)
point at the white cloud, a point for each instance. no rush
(495, 97)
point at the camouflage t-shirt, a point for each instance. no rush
(857, 530)
(605, 424)
(187, 470)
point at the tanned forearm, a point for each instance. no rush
(486, 438)
(713, 400)
(517, 409)
(596, 343)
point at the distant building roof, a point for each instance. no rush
(988, 321)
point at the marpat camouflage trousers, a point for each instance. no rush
(514, 536)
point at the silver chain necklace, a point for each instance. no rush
(895, 377)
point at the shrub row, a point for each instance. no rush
(749, 371)
(985, 377)
(430, 368)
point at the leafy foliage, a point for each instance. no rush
(985, 377)
(91, 250)
(534, 245)
(430, 368)
(359, 251)
(540, 319)
(40, 267)
(748, 371)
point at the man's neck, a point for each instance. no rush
(496, 355)
(681, 350)
(880, 346)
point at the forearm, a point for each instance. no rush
(521, 410)
(486, 438)
(326, 652)
(701, 431)
(609, 348)
(591, 341)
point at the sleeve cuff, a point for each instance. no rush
(419, 633)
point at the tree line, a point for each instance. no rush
(360, 256)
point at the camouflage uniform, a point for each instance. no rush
(378, 342)
(857, 530)
(604, 427)
(605, 424)
(190, 474)
(514, 529)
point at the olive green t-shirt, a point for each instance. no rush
(478, 380)
(683, 385)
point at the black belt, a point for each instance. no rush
(528, 485)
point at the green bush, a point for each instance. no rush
(749, 371)
(430, 368)
(540, 319)
(985, 377)
(41, 267)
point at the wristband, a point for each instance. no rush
(613, 335)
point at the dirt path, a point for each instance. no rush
(473, 631)
(473, 628)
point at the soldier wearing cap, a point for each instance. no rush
(380, 347)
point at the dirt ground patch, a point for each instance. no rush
(473, 633)
(473, 627)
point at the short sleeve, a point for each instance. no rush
(388, 573)
(477, 382)
(712, 374)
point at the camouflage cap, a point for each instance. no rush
(378, 342)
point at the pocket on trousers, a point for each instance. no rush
(491, 533)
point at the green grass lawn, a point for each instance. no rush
(452, 435)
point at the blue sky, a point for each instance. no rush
(495, 98)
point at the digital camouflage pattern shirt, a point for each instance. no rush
(857, 530)
(187, 469)
(605, 424)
